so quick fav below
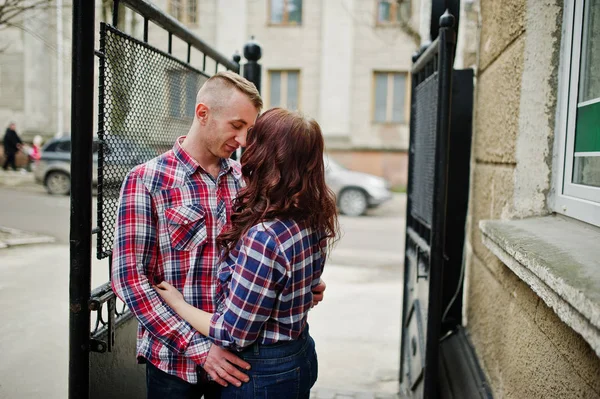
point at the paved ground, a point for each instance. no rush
(356, 329)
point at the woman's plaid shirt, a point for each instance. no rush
(266, 285)
(169, 215)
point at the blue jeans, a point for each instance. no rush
(161, 385)
(282, 370)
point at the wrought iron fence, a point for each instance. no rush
(426, 213)
(147, 100)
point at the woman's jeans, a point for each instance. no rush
(285, 370)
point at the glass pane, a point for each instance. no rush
(383, 12)
(586, 170)
(292, 90)
(192, 11)
(175, 9)
(399, 106)
(589, 78)
(294, 8)
(586, 164)
(277, 11)
(381, 96)
(403, 11)
(275, 92)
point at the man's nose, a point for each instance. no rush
(241, 138)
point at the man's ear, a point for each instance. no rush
(202, 113)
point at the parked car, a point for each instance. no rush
(355, 191)
(53, 169)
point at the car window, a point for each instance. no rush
(64, 146)
(51, 147)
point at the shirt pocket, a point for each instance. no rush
(187, 227)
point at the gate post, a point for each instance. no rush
(252, 69)
(82, 100)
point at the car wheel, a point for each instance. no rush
(58, 183)
(353, 202)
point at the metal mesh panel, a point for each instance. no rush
(147, 100)
(423, 169)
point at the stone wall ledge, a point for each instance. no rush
(559, 258)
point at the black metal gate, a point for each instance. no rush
(146, 100)
(426, 213)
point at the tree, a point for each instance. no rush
(11, 11)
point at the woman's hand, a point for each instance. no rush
(170, 294)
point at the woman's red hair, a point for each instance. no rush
(285, 178)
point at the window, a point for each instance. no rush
(285, 12)
(284, 88)
(578, 184)
(392, 12)
(185, 11)
(390, 105)
(183, 88)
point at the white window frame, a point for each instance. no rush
(574, 200)
(389, 103)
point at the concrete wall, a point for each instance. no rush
(525, 350)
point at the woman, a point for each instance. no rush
(272, 257)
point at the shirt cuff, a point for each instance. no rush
(218, 332)
(198, 348)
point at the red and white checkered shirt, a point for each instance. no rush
(170, 212)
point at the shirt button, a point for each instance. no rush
(185, 222)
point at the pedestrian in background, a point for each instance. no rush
(12, 144)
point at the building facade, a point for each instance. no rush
(344, 62)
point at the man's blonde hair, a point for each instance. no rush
(231, 80)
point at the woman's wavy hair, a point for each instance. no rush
(285, 178)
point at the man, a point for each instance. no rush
(171, 210)
(12, 144)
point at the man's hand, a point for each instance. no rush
(318, 292)
(220, 366)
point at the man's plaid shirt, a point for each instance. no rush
(170, 213)
(266, 283)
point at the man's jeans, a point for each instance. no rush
(282, 370)
(161, 385)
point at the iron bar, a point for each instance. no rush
(427, 55)
(170, 43)
(145, 30)
(80, 240)
(204, 63)
(115, 21)
(438, 231)
(159, 17)
(189, 53)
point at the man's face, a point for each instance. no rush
(228, 126)
(12, 126)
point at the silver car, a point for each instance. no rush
(355, 191)
(53, 169)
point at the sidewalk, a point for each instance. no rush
(19, 178)
(356, 328)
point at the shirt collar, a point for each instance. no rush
(191, 165)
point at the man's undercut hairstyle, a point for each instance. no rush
(213, 92)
